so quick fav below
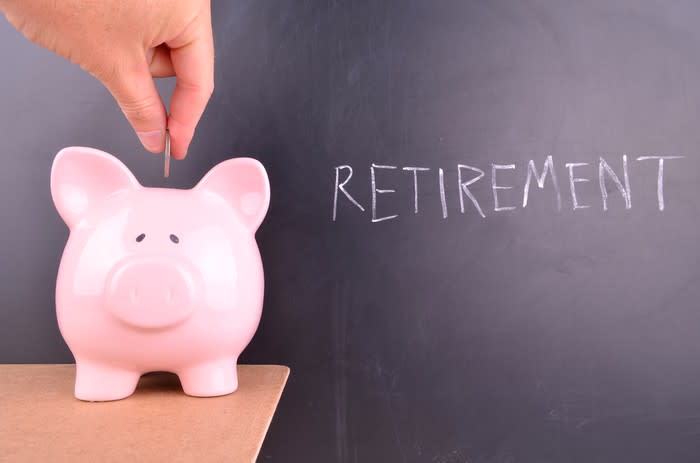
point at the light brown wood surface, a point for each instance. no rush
(40, 420)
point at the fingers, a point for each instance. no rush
(140, 102)
(193, 63)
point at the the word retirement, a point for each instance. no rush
(467, 176)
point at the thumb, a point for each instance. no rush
(137, 96)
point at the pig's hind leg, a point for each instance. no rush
(210, 379)
(96, 382)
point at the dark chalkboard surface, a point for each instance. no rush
(476, 329)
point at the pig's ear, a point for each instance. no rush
(82, 177)
(243, 183)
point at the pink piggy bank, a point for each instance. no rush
(157, 279)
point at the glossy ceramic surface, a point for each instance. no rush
(155, 279)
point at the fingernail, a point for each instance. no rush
(153, 140)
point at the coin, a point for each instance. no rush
(166, 157)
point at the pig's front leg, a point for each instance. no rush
(210, 379)
(99, 382)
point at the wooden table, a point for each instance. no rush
(40, 420)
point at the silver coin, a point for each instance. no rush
(166, 157)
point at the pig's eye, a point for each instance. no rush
(140, 238)
(174, 239)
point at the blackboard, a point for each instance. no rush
(555, 331)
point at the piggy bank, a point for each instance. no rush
(157, 279)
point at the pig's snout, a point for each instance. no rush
(151, 292)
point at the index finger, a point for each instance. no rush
(193, 64)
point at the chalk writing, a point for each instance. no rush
(341, 187)
(532, 170)
(660, 181)
(375, 192)
(464, 187)
(612, 178)
(604, 168)
(415, 171)
(495, 187)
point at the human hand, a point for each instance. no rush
(125, 44)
